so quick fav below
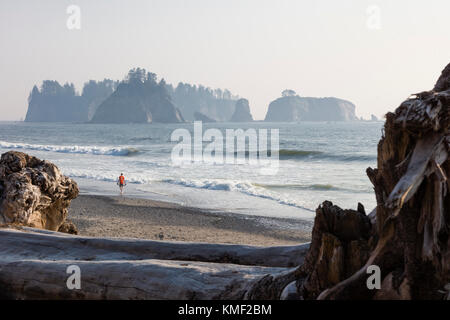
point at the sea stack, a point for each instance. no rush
(139, 99)
(56, 103)
(242, 112)
(291, 107)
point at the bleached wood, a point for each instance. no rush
(33, 265)
(62, 245)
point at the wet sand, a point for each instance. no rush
(115, 216)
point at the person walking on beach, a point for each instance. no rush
(121, 182)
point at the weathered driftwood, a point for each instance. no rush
(33, 192)
(128, 279)
(408, 239)
(64, 246)
(33, 265)
(340, 241)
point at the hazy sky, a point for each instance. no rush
(254, 48)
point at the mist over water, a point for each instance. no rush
(318, 161)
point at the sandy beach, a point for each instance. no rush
(115, 216)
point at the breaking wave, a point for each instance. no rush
(111, 151)
(243, 187)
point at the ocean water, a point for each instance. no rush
(317, 161)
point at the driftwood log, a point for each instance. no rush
(406, 236)
(34, 262)
(90, 249)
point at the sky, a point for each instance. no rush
(373, 53)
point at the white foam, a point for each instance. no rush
(112, 151)
(106, 177)
(243, 187)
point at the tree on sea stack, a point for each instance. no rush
(288, 93)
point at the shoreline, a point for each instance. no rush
(198, 198)
(129, 217)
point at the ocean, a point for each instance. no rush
(318, 161)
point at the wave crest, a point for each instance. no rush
(95, 150)
(243, 187)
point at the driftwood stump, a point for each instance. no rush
(34, 193)
(407, 236)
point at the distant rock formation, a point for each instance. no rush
(216, 104)
(374, 118)
(294, 108)
(95, 93)
(56, 103)
(34, 193)
(198, 116)
(242, 112)
(138, 99)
